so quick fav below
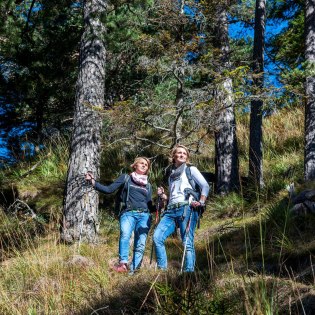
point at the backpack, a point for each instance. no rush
(195, 187)
(196, 190)
(209, 177)
(122, 196)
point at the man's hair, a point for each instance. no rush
(137, 160)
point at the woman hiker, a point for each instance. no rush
(134, 213)
(182, 208)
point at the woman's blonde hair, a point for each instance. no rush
(173, 152)
(137, 160)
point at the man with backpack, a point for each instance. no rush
(188, 191)
(135, 203)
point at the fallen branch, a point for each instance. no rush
(152, 285)
(16, 205)
(35, 165)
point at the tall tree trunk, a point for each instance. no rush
(80, 220)
(226, 150)
(179, 108)
(255, 136)
(309, 151)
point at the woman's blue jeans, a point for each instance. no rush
(139, 223)
(186, 218)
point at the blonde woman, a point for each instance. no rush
(181, 208)
(135, 203)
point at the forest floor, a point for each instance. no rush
(244, 266)
(253, 255)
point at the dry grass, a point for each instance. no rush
(51, 278)
(56, 279)
(282, 136)
(238, 244)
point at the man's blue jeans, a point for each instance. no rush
(186, 219)
(139, 223)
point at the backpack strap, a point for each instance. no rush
(149, 188)
(124, 197)
(195, 190)
(190, 179)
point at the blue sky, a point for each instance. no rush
(239, 30)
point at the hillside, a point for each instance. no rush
(253, 255)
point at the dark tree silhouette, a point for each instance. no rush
(309, 151)
(256, 137)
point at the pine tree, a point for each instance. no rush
(256, 115)
(226, 151)
(309, 151)
(80, 205)
(39, 44)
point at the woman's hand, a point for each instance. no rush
(195, 204)
(90, 178)
(161, 194)
(200, 203)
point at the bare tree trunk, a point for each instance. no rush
(80, 220)
(179, 106)
(309, 150)
(255, 136)
(226, 150)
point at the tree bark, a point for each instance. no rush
(309, 150)
(226, 149)
(179, 108)
(80, 221)
(255, 136)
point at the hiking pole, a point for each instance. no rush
(185, 235)
(201, 210)
(155, 224)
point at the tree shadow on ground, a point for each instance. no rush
(127, 298)
(277, 243)
(280, 246)
(165, 293)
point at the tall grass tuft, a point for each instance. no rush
(17, 234)
(190, 294)
(54, 159)
(49, 164)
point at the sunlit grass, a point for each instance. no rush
(242, 237)
(46, 278)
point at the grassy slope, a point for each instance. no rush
(253, 257)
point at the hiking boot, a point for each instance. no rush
(121, 267)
